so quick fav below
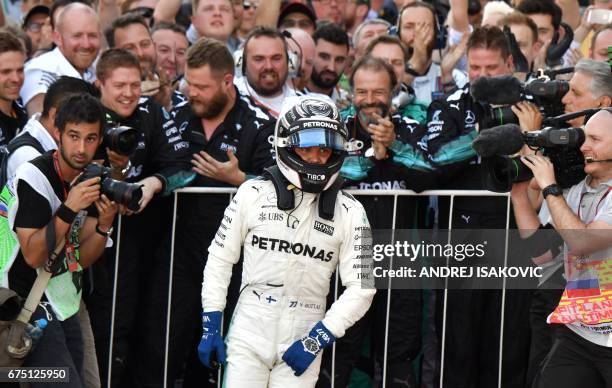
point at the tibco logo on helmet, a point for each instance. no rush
(309, 121)
(315, 177)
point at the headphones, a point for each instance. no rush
(294, 61)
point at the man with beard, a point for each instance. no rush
(44, 209)
(389, 159)
(228, 143)
(77, 37)
(331, 59)
(265, 68)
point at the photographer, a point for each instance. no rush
(590, 87)
(51, 201)
(156, 164)
(452, 124)
(582, 215)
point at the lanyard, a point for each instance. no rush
(72, 253)
(59, 173)
(598, 203)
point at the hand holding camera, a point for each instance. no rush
(123, 193)
(83, 193)
(107, 210)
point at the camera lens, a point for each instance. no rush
(502, 171)
(122, 140)
(124, 193)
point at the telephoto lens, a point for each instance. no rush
(123, 140)
(123, 193)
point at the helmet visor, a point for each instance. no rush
(317, 137)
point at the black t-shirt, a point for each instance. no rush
(10, 125)
(35, 212)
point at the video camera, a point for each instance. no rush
(497, 94)
(561, 145)
(123, 193)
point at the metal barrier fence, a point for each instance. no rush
(395, 194)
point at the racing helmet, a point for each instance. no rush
(308, 121)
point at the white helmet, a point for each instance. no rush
(309, 121)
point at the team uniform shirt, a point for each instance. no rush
(32, 198)
(272, 104)
(42, 71)
(10, 125)
(585, 303)
(406, 155)
(451, 128)
(161, 149)
(289, 258)
(245, 131)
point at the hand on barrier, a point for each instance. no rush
(212, 349)
(302, 352)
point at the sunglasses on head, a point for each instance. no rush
(248, 5)
(145, 12)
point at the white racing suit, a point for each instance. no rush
(289, 257)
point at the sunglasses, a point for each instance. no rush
(34, 26)
(248, 5)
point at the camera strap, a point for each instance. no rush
(72, 253)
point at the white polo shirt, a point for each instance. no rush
(42, 71)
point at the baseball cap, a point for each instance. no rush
(293, 7)
(35, 11)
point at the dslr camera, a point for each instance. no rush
(123, 193)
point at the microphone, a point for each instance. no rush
(559, 121)
(502, 90)
(504, 139)
(590, 160)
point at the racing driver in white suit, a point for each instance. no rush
(296, 227)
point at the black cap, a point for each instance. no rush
(34, 11)
(293, 7)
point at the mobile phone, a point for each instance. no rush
(599, 16)
(369, 119)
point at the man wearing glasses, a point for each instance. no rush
(37, 25)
